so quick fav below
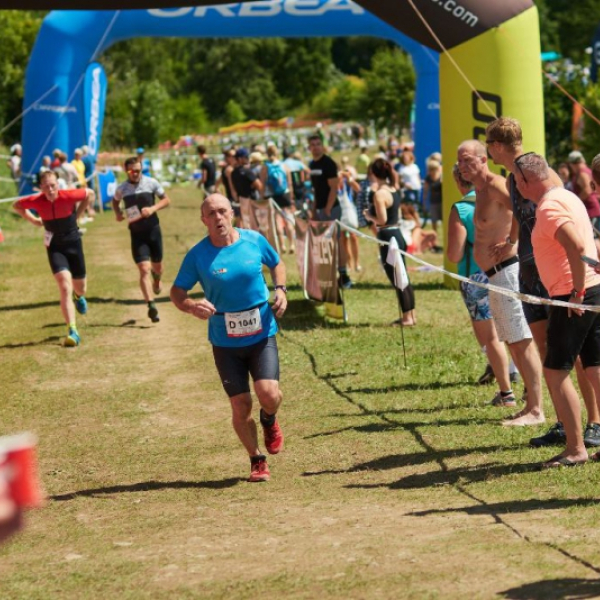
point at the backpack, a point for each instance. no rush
(276, 178)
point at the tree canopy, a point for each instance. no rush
(162, 88)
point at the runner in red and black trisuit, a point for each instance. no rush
(137, 194)
(58, 217)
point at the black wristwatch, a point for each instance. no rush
(282, 288)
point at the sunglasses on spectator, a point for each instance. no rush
(516, 163)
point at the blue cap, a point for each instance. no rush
(242, 153)
(140, 150)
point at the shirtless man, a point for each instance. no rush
(493, 220)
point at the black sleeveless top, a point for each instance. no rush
(391, 211)
(524, 212)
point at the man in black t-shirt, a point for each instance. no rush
(209, 171)
(246, 183)
(326, 207)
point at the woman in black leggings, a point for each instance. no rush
(384, 214)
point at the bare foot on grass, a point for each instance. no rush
(523, 419)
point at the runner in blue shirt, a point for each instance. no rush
(242, 327)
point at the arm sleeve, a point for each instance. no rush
(188, 275)
(28, 202)
(74, 196)
(331, 170)
(158, 189)
(268, 254)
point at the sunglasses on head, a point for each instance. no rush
(516, 163)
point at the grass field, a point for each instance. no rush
(395, 482)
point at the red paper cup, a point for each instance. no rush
(18, 464)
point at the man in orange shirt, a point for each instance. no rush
(562, 234)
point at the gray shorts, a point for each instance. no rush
(508, 314)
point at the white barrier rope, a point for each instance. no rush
(488, 286)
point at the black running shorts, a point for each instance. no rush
(530, 283)
(570, 337)
(260, 360)
(67, 257)
(147, 245)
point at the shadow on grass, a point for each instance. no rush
(462, 475)
(409, 426)
(396, 461)
(93, 300)
(47, 341)
(400, 411)
(413, 387)
(380, 285)
(513, 506)
(131, 324)
(555, 589)
(304, 315)
(150, 486)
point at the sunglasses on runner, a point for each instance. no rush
(135, 171)
(516, 163)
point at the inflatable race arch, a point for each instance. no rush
(71, 114)
(487, 55)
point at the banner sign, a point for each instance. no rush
(322, 264)
(94, 99)
(301, 229)
(107, 186)
(260, 216)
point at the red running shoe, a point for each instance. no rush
(259, 470)
(273, 437)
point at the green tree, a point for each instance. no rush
(302, 71)
(19, 30)
(182, 115)
(559, 108)
(590, 144)
(120, 107)
(389, 88)
(571, 24)
(347, 100)
(233, 112)
(149, 113)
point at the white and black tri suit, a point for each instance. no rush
(146, 237)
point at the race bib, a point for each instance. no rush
(48, 235)
(133, 214)
(243, 324)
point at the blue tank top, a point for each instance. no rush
(466, 209)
